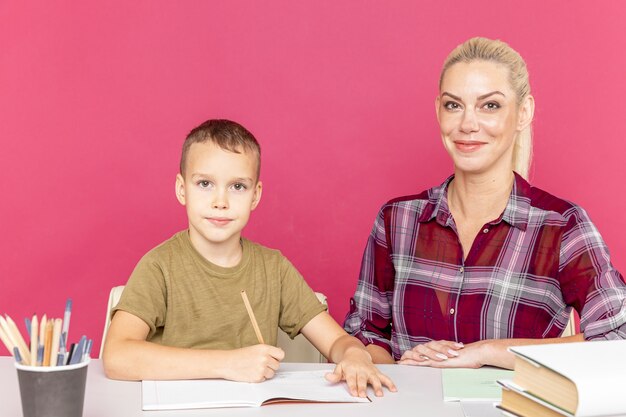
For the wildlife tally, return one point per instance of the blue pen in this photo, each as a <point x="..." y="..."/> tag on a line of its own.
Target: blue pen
<point x="66" y="320"/>
<point x="39" y="355"/>
<point x="87" y="350"/>
<point x="61" y="354"/>
<point x="16" y="353"/>
<point x="27" y="321"/>
<point x="79" y="351"/>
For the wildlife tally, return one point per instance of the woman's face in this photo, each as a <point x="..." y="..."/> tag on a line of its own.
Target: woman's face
<point x="479" y="117"/>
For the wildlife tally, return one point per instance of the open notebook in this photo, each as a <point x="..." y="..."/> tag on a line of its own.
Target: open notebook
<point x="307" y="386"/>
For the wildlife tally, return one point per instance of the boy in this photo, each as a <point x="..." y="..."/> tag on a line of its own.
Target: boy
<point x="181" y="314"/>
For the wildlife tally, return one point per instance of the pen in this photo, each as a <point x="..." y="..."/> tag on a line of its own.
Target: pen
<point x="79" y="350"/>
<point x="16" y="354"/>
<point x="87" y="353"/>
<point x="61" y="355"/>
<point x="66" y="319"/>
<point x="27" y="323"/>
<point x="70" y="354"/>
<point x="255" y="325"/>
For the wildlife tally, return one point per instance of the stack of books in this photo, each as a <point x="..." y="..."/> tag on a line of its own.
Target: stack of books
<point x="583" y="379"/>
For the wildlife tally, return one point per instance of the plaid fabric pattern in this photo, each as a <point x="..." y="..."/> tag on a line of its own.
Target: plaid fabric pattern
<point x="524" y="273"/>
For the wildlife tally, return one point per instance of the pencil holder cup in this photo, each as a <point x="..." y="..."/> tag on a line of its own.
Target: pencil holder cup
<point x="52" y="391"/>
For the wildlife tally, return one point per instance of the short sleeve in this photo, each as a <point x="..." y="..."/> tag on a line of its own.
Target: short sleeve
<point x="145" y="294"/>
<point x="298" y="302"/>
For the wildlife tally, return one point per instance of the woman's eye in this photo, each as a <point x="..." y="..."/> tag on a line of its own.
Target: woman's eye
<point x="492" y="105"/>
<point x="451" y="105"/>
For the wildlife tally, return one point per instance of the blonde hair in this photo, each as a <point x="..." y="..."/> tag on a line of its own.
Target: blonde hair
<point x="483" y="49"/>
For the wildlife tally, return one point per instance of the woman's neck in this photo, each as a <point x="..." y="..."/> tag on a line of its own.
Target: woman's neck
<point x="479" y="197"/>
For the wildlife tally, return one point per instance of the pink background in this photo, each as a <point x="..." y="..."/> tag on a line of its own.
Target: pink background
<point x="97" y="97"/>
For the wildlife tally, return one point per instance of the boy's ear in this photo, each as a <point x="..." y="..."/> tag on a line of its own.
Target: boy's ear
<point x="258" y="190"/>
<point x="180" y="189"/>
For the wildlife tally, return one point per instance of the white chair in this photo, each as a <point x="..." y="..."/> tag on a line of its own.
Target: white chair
<point x="570" y="329"/>
<point x="297" y="350"/>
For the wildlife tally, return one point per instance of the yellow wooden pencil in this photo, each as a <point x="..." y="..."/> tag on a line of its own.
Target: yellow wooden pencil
<point x="255" y="325"/>
<point x="47" y="344"/>
<point x="34" y="339"/>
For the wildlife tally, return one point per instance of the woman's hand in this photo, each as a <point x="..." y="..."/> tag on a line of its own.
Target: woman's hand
<point x="447" y="354"/>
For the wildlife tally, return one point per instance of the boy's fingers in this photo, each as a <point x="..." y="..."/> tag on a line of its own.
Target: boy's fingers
<point x="376" y="385"/>
<point x="352" y="386"/>
<point x="332" y="377"/>
<point x="277" y="353"/>
<point x="336" y="375"/>
<point x="386" y="381"/>
<point x="361" y="382"/>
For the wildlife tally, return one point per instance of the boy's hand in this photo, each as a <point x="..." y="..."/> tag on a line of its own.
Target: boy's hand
<point x="357" y="370"/>
<point x="253" y="363"/>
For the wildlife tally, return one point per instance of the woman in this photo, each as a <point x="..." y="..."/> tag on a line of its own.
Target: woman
<point x="453" y="276"/>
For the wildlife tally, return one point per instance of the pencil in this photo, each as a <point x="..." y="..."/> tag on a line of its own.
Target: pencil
<point x="42" y="337"/>
<point x="252" y="318"/>
<point x="56" y="336"/>
<point x="18" y="340"/>
<point x="34" y="339"/>
<point x="6" y="340"/>
<point x="47" y="344"/>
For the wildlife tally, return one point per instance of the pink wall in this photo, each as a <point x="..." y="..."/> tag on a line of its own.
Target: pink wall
<point x="96" y="98"/>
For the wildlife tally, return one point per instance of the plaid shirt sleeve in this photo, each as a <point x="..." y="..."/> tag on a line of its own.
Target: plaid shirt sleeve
<point x="370" y="316"/>
<point x="588" y="280"/>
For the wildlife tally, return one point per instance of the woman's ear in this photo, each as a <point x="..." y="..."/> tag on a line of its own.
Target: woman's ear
<point x="526" y="113"/>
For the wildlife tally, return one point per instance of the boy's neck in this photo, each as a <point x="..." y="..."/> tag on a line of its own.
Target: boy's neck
<point x="225" y="254"/>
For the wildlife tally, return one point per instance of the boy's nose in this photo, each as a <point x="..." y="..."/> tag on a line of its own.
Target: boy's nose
<point x="220" y="201"/>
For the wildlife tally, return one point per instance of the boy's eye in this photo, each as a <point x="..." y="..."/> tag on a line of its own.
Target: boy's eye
<point x="204" y="184"/>
<point x="239" y="187"/>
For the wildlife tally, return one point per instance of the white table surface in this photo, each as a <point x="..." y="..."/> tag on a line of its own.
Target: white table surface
<point x="419" y="394"/>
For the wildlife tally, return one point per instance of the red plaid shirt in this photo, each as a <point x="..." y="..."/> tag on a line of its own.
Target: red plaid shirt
<point x="524" y="273"/>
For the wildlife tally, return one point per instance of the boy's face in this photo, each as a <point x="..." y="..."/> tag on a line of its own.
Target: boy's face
<point x="219" y="191"/>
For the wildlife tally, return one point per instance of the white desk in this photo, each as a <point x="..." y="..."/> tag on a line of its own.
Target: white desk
<point x="419" y="394"/>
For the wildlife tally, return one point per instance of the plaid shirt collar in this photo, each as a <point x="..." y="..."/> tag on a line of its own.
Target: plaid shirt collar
<point x="516" y="212"/>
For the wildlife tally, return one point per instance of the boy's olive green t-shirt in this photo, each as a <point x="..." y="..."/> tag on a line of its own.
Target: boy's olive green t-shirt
<point x="189" y="302"/>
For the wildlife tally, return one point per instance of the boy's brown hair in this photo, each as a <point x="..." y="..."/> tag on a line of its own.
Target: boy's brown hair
<point x="228" y="135"/>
